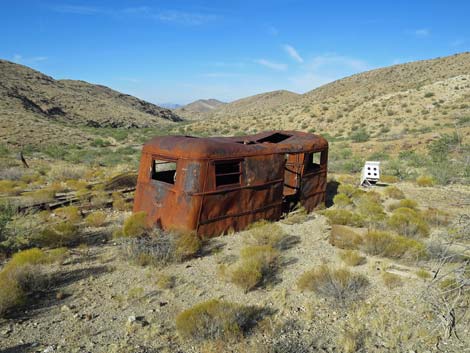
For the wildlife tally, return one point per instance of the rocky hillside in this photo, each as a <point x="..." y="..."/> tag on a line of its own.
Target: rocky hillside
<point x="387" y="103"/>
<point x="33" y="103"/>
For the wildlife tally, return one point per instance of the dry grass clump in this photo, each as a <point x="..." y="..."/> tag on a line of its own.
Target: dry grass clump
<point x="342" y="200"/>
<point x="96" y="219"/>
<point x="135" y="225"/>
<point x="257" y="264"/>
<point x="403" y="203"/>
<point x="393" y="246"/>
<point x="344" y="237"/>
<point x="344" y="217"/>
<point x="69" y="213"/>
<point x="389" y="179"/>
<point x="333" y="283"/>
<point x="58" y="235"/>
<point x="166" y="281"/>
<point x="370" y="208"/>
<point x="425" y="181"/>
<point x="67" y="172"/>
<point x="40" y="196"/>
<point x="352" y="258"/>
<point x="271" y="234"/>
<point x="119" y="203"/>
<point x="423" y="274"/>
<point x="391" y="280"/>
<point x="436" y="217"/>
<point x="408" y="222"/>
<point x="22" y="276"/>
<point x="215" y="319"/>
<point x="161" y="249"/>
<point x="394" y="193"/>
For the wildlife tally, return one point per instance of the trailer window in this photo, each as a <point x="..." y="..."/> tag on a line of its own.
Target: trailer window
<point x="227" y="173"/>
<point x="313" y="161"/>
<point x="164" y="170"/>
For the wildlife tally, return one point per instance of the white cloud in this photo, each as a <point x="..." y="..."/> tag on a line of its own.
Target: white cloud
<point x="185" y="18"/>
<point x="421" y="32"/>
<point x="272" y="65"/>
<point x="293" y="53"/>
<point x="79" y="10"/>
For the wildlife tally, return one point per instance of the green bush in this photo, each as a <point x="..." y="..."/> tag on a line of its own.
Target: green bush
<point x="408" y="222"/>
<point x="392" y="246"/>
<point x="425" y="181"/>
<point x="360" y="135"/>
<point x="394" y="193"/>
<point x="135" y="225"/>
<point x="265" y="233"/>
<point x="58" y="235"/>
<point x="352" y="257"/>
<point x="344" y="217"/>
<point x="215" y="319"/>
<point x="342" y="200"/>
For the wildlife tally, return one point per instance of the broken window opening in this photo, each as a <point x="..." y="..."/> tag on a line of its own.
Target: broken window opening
<point x="164" y="171"/>
<point x="227" y="173"/>
<point x="314" y="161"/>
<point x="274" y="138"/>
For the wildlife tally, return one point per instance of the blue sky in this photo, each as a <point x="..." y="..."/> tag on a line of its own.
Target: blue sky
<point x="179" y="51"/>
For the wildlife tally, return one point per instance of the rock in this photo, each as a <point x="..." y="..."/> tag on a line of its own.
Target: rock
<point x="137" y="320"/>
<point x="49" y="349"/>
<point x="65" y="308"/>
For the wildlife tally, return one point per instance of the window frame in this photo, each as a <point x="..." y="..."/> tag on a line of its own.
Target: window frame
<point x="314" y="167"/>
<point x="239" y="173"/>
<point x="163" y="160"/>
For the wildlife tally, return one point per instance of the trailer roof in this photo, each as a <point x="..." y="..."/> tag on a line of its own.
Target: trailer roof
<point x="268" y="142"/>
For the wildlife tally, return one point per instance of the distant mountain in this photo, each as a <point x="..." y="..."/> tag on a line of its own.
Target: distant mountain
<point x="197" y="109"/>
<point x="170" y="105"/>
<point x="30" y="102"/>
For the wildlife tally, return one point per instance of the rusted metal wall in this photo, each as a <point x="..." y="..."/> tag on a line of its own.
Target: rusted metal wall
<point x="269" y="173"/>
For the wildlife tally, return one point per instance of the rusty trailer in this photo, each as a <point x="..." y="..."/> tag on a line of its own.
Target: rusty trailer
<point x="218" y="184"/>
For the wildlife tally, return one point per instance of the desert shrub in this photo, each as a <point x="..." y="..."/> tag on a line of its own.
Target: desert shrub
<point x="96" y="219"/>
<point x="135" y="225"/>
<point x="7" y="186"/>
<point x="69" y="213"/>
<point x="256" y="265"/>
<point x="423" y="274"/>
<point x="187" y="245"/>
<point x="342" y="200"/>
<point x="425" y="181"/>
<point x="436" y="217"/>
<point x="339" y="284"/>
<point x="352" y="257"/>
<point x="408" y="222"/>
<point x="40" y="196"/>
<point x="22" y="276"/>
<point x="58" y="235"/>
<point x="66" y="172"/>
<point x="389" y="179"/>
<point x="370" y="209"/>
<point x="344" y="237"/>
<point x="7" y="211"/>
<point x="349" y="190"/>
<point x="215" y="319"/>
<point x="412" y="204"/>
<point x="392" y="246"/>
<point x="391" y="280"/>
<point x="344" y="217"/>
<point x="394" y="193"/>
<point x="161" y="249"/>
<point x="266" y="233"/>
<point x="119" y="203"/>
<point x="360" y="135"/>
<point x="166" y="281"/>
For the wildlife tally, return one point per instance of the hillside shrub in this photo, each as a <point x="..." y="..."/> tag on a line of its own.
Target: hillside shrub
<point x="119" y="203"/>
<point x="58" y="235"/>
<point x="69" y="213"/>
<point x="403" y="203"/>
<point x="425" y="181"/>
<point x="266" y="233"/>
<point x="344" y="217"/>
<point x="215" y="319"/>
<point x="360" y="135"/>
<point x="257" y="264"/>
<point x="391" y="280"/>
<point x="352" y="257"/>
<point x="135" y="225"/>
<point x="436" y="217"/>
<point x="333" y="283"/>
<point x="408" y="222"/>
<point x="392" y="246"/>
<point x="370" y="209"/>
<point x="187" y="245"/>
<point x="341" y="200"/>
<point x="394" y="193"/>
<point x="96" y="219"/>
<point x="344" y="237"/>
<point x="349" y="190"/>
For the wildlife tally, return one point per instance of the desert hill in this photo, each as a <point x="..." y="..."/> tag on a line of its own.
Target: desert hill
<point x="197" y="109"/>
<point x="35" y="105"/>
<point x="387" y="103"/>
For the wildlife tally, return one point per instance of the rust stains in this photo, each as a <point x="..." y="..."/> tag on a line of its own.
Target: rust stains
<point x="217" y="184"/>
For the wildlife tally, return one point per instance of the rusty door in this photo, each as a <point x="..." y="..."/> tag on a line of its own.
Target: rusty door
<point x="293" y="173"/>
